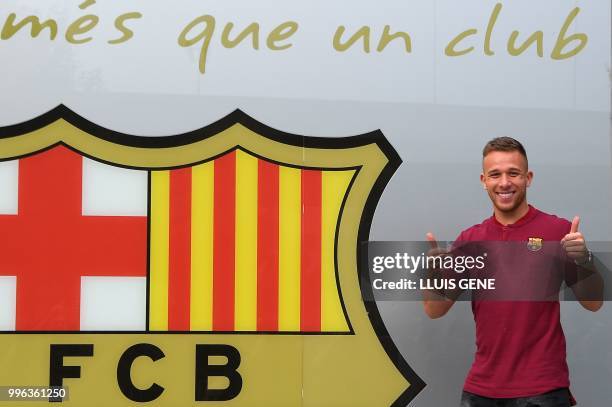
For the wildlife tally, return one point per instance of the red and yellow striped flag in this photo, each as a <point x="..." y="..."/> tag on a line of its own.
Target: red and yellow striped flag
<point x="243" y="244"/>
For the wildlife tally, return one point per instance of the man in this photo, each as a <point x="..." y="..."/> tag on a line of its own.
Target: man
<point x="520" y="356"/>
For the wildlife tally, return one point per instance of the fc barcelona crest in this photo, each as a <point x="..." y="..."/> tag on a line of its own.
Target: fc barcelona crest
<point x="534" y="244"/>
<point x="217" y="266"/>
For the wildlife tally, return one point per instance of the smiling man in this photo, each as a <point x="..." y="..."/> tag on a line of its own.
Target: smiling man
<point x="520" y="359"/>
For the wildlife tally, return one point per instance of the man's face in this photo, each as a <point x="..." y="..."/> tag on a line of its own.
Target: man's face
<point x="506" y="177"/>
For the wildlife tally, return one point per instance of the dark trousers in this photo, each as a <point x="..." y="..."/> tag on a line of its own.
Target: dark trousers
<point x="556" y="398"/>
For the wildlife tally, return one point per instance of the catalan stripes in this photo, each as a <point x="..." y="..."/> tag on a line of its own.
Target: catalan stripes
<point x="267" y="254"/>
<point x="243" y="244"/>
<point x="202" y="216"/>
<point x="334" y="184"/>
<point x="246" y="242"/>
<point x="224" y="243"/>
<point x="179" y="261"/>
<point x="159" y="236"/>
<point x="310" y="281"/>
<point x="289" y="248"/>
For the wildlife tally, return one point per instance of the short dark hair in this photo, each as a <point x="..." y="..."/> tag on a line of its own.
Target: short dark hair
<point x="504" y="144"/>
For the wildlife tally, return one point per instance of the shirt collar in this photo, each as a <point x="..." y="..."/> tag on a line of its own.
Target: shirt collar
<point x="531" y="213"/>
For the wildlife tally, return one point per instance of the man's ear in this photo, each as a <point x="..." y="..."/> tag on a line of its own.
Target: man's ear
<point x="482" y="181"/>
<point x="529" y="178"/>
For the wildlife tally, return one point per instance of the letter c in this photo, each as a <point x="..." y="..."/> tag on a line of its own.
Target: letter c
<point x="124" y="368"/>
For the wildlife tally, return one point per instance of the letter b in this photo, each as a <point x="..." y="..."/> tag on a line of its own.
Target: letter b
<point x="563" y="41"/>
<point x="204" y="370"/>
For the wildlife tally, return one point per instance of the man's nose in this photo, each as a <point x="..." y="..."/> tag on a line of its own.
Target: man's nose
<point x="505" y="181"/>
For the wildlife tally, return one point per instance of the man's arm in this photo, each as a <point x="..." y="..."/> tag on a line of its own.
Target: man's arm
<point x="588" y="287"/>
<point x="587" y="283"/>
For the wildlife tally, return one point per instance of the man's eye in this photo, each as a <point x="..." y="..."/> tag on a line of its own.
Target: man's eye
<point x="495" y="175"/>
<point x="515" y="174"/>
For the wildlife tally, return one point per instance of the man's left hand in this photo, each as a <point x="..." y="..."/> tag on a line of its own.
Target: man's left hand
<point x="574" y="243"/>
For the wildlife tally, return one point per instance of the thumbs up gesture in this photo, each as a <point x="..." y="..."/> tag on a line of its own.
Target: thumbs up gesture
<point x="434" y="248"/>
<point x="574" y="243"/>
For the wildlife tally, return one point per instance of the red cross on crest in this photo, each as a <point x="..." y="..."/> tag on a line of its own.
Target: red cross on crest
<point x="49" y="245"/>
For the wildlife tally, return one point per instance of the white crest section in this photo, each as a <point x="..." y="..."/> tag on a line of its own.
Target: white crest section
<point x="8" y="287"/>
<point x="113" y="303"/>
<point x="9" y="189"/>
<point x="113" y="191"/>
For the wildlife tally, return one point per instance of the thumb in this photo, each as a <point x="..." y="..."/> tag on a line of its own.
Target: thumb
<point x="432" y="240"/>
<point x="575" y="224"/>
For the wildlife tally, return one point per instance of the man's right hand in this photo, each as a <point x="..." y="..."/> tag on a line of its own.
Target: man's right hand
<point x="434" y="248"/>
<point x="434" y="304"/>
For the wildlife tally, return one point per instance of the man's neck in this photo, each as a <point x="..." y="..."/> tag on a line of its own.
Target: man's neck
<point x="508" y="218"/>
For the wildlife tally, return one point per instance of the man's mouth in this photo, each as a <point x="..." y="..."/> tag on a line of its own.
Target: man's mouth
<point x="505" y="196"/>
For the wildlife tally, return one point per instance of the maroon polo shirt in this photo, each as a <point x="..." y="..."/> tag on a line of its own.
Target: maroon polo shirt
<point x="520" y="345"/>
